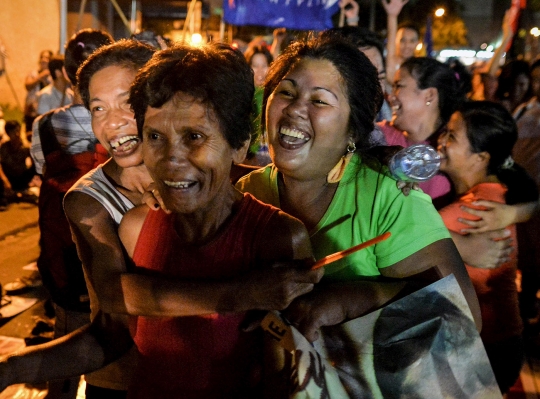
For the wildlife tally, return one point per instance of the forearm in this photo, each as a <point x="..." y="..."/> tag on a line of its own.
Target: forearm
<point x="391" y="62"/>
<point x="372" y="295"/>
<point x="523" y="212"/>
<point x="494" y="62"/>
<point x="158" y="296"/>
<point x="71" y="355"/>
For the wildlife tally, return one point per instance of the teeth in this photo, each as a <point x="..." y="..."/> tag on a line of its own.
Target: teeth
<point x="122" y="140"/>
<point x="395" y="108"/>
<point x="177" y="184"/>
<point x="293" y="133"/>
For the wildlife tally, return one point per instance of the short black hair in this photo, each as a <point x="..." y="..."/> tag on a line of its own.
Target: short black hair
<point x="360" y="78"/>
<point x="126" y="53"/>
<point x="490" y="128"/>
<point x="216" y="74"/>
<point x="361" y="37"/>
<point x="56" y="63"/>
<point x="258" y="49"/>
<point x="80" y="46"/>
<point x="11" y="126"/>
<point x="410" y="25"/>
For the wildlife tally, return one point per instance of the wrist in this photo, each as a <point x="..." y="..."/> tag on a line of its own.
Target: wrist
<point x="352" y="20"/>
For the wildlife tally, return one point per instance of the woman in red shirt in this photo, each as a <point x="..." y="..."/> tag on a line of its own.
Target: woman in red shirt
<point x="475" y="152"/>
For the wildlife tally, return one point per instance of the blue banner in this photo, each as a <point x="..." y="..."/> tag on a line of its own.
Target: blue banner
<point x="290" y="14"/>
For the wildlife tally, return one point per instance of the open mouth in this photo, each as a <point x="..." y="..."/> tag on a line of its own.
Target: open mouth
<point x="180" y="184"/>
<point x="124" y="144"/>
<point x="292" y="138"/>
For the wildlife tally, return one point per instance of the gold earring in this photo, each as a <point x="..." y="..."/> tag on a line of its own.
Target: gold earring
<point x="337" y="172"/>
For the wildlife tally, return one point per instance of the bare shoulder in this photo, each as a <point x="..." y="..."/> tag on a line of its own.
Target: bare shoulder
<point x="131" y="226"/>
<point x="80" y="206"/>
<point x="286" y="238"/>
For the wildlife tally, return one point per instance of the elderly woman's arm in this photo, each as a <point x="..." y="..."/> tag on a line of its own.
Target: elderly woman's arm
<point x="264" y="289"/>
<point x="337" y="302"/>
<point x="103" y="257"/>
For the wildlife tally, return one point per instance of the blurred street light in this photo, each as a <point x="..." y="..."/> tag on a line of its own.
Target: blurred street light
<point x="439" y="12"/>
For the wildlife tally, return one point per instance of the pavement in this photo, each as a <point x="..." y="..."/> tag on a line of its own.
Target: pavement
<point x="19" y="250"/>
<point x="18" y="217"/>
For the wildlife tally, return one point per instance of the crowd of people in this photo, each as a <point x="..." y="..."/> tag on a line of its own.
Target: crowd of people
<point x="187" y="191"/>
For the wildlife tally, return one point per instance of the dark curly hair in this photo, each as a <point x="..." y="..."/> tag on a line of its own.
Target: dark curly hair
<point x="81" y="45"/>
<point x="358" y="73"/>
<point x="215" y="74"/>
<point x="125" y="53"/>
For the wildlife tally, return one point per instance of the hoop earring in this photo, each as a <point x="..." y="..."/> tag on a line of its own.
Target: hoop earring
<point x="337" y="172"/>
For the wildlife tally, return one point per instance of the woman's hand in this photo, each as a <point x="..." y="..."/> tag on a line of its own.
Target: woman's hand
<point x="393" y="7"/>
<point x="406" y="187"/>
<point x="331" y="304"/>
<point x="275" y="288"/>
<point x="152" y="198"/>
<point x="485" y="250"/>
<point x="351" y="9"/>
<point x="326" y="307"/>
<point x="496" y="216"/>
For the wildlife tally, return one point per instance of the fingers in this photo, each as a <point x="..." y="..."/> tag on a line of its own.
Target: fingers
<point x="406" y="187"/>
<point x="152" y="198"/>
<point x="502" y="234"/>
<point x="149" y="199"/>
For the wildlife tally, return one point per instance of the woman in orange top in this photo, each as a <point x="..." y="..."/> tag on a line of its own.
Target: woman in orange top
<point x="475" y="154"/>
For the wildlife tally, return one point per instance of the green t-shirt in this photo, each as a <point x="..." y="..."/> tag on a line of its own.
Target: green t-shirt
<point x="366" y="204"/>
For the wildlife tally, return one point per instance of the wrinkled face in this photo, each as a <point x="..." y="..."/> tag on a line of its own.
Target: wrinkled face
<point x="259" y="64"/>
<point x="408" y="102"/>
<point x="187" y="154"/>
<point x="535" y="81"/>
<point x="376" y="59"/>
<point x="406" y="42"/>
<point x="455" y="148"/>
<point x="307" y="120"/>
<point x="113" y="120"/>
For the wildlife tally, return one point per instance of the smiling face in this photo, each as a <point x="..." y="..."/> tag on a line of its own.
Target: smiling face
<point x="307" y="120"/>
<point x="457" y="158"/>
<point x="406" y="40"/>
<point x="259" y="64"/>
<point x="408" y="102"/>
<point x="188" y="156"/>
<point x="113" y="121"/>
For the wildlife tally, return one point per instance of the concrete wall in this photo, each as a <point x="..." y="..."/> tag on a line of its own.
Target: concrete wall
<point x="27" y="27"/>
